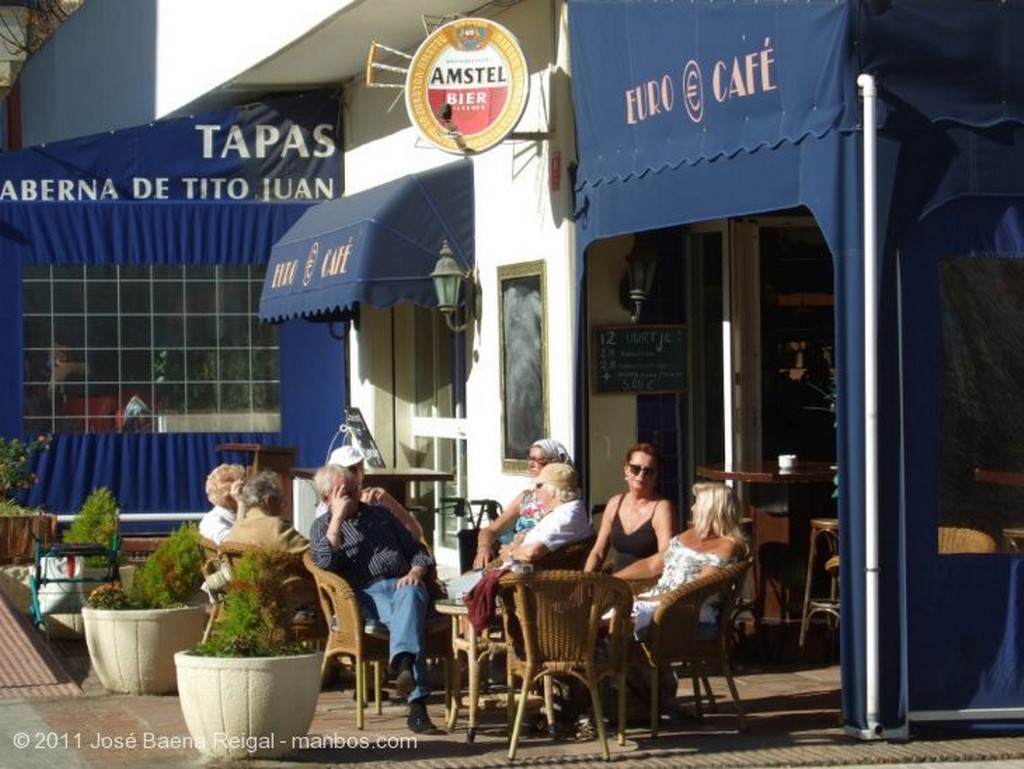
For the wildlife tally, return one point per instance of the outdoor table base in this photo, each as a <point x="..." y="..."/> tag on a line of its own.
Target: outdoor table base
<point x="477" y="649"/>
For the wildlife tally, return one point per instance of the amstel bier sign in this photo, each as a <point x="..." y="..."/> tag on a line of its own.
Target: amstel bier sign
<point x="467" y="85"/>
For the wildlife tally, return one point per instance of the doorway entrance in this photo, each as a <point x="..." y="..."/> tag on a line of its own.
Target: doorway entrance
<point x="760" y="303"/>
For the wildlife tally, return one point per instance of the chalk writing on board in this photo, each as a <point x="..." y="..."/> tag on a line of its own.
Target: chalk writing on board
<point x="639" y="359"/>
<point x="363" y="438"/>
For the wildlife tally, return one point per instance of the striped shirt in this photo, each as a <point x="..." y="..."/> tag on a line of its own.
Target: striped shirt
<point x="374" y="546"/>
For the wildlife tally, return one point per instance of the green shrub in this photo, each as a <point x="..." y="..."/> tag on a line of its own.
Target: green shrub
<point x="252" y="621"/>
<point x="172" y="574"/>
<point x="109" y="595"/>
<point x="15" y="473"/>
<point x="167" y="579"/>
<point x="95" y="524"/>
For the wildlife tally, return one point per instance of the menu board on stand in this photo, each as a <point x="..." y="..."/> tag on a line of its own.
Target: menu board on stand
<point x="356" y="427"/>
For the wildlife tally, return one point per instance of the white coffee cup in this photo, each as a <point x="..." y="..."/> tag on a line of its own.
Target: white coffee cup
<point x="787" y="461"/>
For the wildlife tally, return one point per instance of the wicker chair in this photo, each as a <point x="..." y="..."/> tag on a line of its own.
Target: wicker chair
<point x="297" y="593"/>
<point x="572" y="556"/>
<point x="554" y="619"/>
<point x="953" y="539"/>
<point x="209" y="548"/>
<point x="491" y="644"/>
<point x="347" y="638"/>
<point x="673" y="639"/>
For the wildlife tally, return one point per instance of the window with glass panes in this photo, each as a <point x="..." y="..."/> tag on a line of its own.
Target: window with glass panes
<point x="145" y="348"/>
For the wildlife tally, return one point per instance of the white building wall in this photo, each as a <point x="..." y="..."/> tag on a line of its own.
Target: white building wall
<point x="232" y="35"/>
<point x="517" y="220"/>
<point x="112" y="66"/>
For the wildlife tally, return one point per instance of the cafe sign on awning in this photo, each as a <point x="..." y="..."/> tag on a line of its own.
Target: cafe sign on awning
<point x="467" y="85"/>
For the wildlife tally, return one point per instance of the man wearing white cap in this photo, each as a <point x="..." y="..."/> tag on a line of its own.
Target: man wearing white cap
<point x="352" y="457"/>
<point x="386" y="566"/>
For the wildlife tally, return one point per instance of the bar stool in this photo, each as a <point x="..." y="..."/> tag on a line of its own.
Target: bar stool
<point x="824" y="534"/>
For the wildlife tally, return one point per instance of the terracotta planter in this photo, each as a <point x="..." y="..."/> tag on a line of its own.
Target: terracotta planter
<point x="247" y="707"/>
<point x="132" y="650"/>
<point x="16" y="535"/>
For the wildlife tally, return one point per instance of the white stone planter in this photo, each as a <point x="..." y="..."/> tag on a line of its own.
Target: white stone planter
<point x="132" y="650"/>
<point x="247" y="707"/>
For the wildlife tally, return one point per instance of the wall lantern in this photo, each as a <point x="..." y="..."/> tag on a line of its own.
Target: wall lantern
<point x="642" y="261"/>
<point x="450" y="283"/>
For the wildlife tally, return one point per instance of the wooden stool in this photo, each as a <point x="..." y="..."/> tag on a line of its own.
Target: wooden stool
<point x="827" y="528"/>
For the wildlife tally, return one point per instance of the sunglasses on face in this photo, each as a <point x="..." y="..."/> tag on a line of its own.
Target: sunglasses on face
<point x="641" y="471"/>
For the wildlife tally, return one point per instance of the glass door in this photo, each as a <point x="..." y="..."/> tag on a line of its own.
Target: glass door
<point x="438" y="426"/>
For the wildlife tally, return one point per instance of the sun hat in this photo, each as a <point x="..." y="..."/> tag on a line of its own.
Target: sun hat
<point x="558" y="475"/>
<point x="345" y="456"/>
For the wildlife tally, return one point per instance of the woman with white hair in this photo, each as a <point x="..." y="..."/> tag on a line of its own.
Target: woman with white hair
<point x="563" y="516"/>
<point x="523" y="512"/>
<point x="222" y="487"/>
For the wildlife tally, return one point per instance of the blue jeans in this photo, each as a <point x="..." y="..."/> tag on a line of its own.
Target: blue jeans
<point x="403" y="610"/>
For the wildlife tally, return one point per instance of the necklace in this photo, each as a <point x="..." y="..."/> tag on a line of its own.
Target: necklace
<point x="634" y="515"/>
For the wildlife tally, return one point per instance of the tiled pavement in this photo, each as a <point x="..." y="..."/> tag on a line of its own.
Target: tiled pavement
<point x="50" y="701"/>
<point x="793" y="718"/>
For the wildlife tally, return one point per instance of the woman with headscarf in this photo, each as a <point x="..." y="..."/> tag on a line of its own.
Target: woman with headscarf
<point x="522" y="513"/>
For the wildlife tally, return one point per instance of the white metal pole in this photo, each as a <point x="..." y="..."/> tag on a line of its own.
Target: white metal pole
<point x="871" y="620"/>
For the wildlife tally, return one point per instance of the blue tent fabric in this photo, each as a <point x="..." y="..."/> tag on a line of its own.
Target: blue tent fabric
<point x="146" y="472"/>
<point x="167" y="193"/>
<point x="989" y="229"/>
<point x="651" y="88"/>
<point x="377" y="246"/>
<point x="662" y="144"/>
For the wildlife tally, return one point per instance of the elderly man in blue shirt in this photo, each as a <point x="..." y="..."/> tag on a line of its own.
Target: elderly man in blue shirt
<point x="370" y="548"/>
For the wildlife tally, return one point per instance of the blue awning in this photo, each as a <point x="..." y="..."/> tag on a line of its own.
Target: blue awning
<point x="377" y="246"/>
<point x="692" y="110"/>
<point x="214" y="188"/>
<point x="687" y="111"/>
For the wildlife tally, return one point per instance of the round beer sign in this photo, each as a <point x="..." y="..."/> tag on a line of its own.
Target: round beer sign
<point x="467" y="85"/>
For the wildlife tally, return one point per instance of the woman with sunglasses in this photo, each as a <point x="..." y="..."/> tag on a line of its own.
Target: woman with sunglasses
<point x="639" y="522"/>
<point x="524" y="510"/>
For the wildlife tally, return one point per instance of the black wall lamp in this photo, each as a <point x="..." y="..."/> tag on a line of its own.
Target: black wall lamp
<point x="642" y="261"/>
<point x="451" y="283"/>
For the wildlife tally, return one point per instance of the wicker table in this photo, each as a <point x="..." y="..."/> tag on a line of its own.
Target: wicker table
<point x="477" y="649"/>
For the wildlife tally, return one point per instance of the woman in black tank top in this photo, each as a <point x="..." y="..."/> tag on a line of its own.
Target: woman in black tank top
<point x="639" y="522"/>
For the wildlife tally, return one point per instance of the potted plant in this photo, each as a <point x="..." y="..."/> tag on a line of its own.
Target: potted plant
<point x="132" y="635"/>
<point x="249" y="689"/>
<point x="21" y="526"/>
<point x="95" y="524"/>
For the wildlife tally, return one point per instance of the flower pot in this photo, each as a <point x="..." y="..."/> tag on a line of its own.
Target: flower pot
<point x="132" y="650"/>
<point x="247" y="707"/>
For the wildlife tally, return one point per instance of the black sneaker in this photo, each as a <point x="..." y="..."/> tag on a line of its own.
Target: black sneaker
<point x="401" y="668"/>
<point x="419" y="720"/>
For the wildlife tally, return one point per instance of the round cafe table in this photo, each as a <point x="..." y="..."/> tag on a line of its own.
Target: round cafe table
<point x="782" y="503"/>
<point x="476" y="648"/>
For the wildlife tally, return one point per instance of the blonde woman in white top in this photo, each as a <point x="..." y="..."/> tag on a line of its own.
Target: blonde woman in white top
<point x="714" y="539"/>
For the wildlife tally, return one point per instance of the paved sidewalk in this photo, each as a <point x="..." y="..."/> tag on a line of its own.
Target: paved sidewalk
<point x="792" y="713"/>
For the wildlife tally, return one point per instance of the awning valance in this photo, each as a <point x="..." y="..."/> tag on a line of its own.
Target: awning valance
<point x="696" y="110"/>
<point x="377" y="246"/>
<point x="214" y="188"/>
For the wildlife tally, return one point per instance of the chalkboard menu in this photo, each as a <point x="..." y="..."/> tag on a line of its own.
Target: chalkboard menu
<point x="647" y="359"/>
<point x="355" y="425"/>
